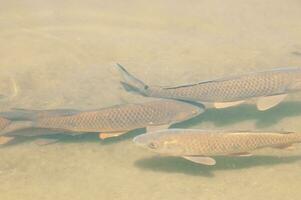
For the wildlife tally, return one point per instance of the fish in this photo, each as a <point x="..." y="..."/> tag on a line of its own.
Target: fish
<point x="200" y="146"/>
<point x="268" y="88"/>
<point x="116" y="120"/>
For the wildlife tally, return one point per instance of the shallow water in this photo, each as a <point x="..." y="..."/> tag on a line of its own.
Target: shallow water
<point x="62" y="55"/>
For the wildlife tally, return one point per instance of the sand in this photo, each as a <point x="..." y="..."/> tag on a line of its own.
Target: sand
<point x="62" y="55"/>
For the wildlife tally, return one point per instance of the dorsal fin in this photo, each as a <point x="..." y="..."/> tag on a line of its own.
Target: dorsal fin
<point x="232" y="77"/>
<point x="207" y="81"/>
<point x="185" y="85"/>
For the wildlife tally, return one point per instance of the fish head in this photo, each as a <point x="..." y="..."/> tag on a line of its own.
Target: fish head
<point x="186" y="111"/>
<point x="160" y="142"/>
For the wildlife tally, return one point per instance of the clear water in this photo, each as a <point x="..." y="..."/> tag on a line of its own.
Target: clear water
<point x="62" y="55"/>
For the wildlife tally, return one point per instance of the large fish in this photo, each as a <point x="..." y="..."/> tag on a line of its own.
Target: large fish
<point x="112" y="121"/>
<point x="198" y="145"/>
<point x="268" y="88"/>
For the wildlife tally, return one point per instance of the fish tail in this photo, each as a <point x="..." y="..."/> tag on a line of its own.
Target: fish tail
<point x="16" y="126"/>
<point x="19" y="114"/>
<point x="28" y="114"/>
<point x="131" y="83"/>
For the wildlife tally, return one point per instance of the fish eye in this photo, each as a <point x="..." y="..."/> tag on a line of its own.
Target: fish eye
<point x="146" y="87"/>
<point x="152" y="145"/>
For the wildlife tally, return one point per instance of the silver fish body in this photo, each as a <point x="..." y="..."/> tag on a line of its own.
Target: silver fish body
<point x="229" y="89"/>
<point x="123" y="117"/>
<point x="236" y="88"/>
<point x="185" y="142"/>
<point x="113" y="120"/>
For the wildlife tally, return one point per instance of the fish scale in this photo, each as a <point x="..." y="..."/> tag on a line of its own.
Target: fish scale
<point x="123" y="117"/>
<point x="187" y="142"/>
<point x="234" y="143"/>
<point x="231" y="89"/>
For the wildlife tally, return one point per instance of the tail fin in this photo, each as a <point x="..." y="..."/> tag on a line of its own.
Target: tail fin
<point x="130" y="82"/>
<point x="28" y="114"/>
<point x="18" y="114"/>
<point x="16" y="126"/>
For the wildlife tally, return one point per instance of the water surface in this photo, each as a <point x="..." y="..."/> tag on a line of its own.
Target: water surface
<point x="62" y="55"/>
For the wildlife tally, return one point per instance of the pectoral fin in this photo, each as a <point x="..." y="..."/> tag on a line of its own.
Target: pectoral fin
<point x="219" y="105"/>
<point x="109" y="135"/>
<point x="201" y="160"/>
<point x="5" y="139"/>
<point x="265" y="103"/>
<point x="156" y="128"/>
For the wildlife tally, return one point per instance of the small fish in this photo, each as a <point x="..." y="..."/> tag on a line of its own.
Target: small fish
<point x="269" y="88"/>
<point x="116" y="120"/>
<point x="198" y="145"/>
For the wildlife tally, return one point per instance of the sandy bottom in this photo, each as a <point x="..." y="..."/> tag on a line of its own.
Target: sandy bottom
<point x="62" y="55"/>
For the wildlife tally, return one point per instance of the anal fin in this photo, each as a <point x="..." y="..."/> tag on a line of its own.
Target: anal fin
<point x="5" y="139"/>
<point x="265" y="103"/>
<point x="201" y="160"/>
<point x="109" y="135"/>
<point x="220" y="105"/>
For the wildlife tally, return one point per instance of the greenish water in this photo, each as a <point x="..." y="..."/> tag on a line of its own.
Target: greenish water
<point x="62" y="55"/>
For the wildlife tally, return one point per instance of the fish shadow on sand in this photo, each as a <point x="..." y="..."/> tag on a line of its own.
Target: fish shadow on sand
<point x="228" y="116"/>
<point x="182" y="166"/>
<point x="83" y="138"/>
<point x="296" y="53"/>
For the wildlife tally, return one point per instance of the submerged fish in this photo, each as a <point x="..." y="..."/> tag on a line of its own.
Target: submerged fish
<point x="269" y="88"/>
<point x="198" y="145"/>
<point x="114" y="121"/>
